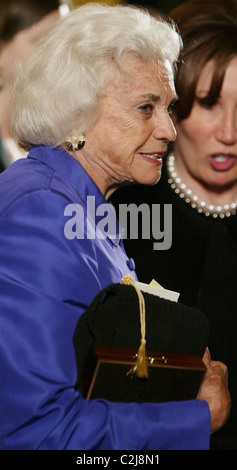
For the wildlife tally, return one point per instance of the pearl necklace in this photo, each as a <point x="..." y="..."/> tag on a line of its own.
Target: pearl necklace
<point x="180" y="188"/>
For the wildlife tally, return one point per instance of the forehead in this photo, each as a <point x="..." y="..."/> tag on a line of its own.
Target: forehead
<point x="208" y="73"/>
<point x="138" y="77"/>
<point x="205" y="79"/>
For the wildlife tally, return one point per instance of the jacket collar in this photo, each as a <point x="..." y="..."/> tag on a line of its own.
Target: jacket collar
<point x="71" y="170"/>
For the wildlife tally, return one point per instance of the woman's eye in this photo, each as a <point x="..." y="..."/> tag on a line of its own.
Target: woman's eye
<point x="171" y="108"/>
<point x="206" y="103"/>
<point x="146" y="108"/>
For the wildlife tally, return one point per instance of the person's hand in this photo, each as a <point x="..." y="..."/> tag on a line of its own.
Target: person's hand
<point x="214" y="390"/>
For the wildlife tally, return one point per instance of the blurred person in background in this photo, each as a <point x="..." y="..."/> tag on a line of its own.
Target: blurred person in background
<point x="22" y="22"/>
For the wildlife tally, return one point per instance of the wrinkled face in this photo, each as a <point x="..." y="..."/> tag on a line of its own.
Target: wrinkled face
<point x="131" y="135"/>
<point x="206" y="146"/>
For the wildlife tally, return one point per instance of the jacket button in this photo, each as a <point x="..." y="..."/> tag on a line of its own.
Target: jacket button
<point x="131" y="264"/>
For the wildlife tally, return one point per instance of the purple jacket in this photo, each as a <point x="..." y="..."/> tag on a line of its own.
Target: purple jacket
<point x="47" y="279"/>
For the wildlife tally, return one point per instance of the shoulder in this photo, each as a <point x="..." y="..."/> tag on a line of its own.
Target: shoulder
<point x="27" y="181"/>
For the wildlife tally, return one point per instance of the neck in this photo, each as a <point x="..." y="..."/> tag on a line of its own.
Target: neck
<point x="95" y="172"/>
<point x="100" y="172"/>
<point x="205" y="200"/>
<point x="14" y="152"/>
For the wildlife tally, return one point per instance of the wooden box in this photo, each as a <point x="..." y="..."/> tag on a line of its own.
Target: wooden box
<point x="171" y="377"/>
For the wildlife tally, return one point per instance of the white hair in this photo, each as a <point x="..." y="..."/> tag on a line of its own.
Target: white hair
<point x="59" y="84"/>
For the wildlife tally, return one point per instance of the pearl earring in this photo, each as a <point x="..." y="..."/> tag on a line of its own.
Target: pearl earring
<point x="75" y="141"/>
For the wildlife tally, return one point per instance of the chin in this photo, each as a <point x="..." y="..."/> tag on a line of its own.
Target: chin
<point x="150" y="181"/>
<point x="222" y="181"/>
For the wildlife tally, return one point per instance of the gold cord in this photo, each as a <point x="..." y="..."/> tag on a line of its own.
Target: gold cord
<point x="140" y="369"/>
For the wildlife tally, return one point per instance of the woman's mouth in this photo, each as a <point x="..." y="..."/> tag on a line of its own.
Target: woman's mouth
<point x="153" y="157"/>
<point x="222" y="162"/>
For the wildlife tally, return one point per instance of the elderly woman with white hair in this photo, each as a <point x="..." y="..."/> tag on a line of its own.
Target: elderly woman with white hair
<point x="92" y="107"/>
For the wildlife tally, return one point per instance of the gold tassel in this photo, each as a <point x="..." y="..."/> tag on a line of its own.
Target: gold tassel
<point x="140" y="369"/>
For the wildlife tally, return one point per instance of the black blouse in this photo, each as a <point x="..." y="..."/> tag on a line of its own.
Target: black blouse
<point x="201" y="264"/>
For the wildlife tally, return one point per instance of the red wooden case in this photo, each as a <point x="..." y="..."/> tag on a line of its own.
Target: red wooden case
<point x="171" y="377"/>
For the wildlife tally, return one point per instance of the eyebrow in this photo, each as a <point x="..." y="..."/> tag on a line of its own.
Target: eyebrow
<point x="152" y="97"/>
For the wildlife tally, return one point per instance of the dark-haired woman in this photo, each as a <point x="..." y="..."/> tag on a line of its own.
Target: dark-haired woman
<point x="199" y="179"/>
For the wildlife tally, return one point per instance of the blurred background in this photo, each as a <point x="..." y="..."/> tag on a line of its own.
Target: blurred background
<point x="163" y="6"/>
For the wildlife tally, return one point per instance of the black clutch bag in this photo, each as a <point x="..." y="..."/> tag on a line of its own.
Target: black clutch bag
<point x="106" y="342"/>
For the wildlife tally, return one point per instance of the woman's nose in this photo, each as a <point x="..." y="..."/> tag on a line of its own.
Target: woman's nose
<point x="227" y="130"/>
<point x="164" y="129"/>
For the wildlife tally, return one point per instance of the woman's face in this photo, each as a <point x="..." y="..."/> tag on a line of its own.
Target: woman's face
<point x="131" y="135"/>
<point x="206" y="145"/>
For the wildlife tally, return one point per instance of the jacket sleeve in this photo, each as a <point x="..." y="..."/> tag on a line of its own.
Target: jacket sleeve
<point x="40" y="408"/>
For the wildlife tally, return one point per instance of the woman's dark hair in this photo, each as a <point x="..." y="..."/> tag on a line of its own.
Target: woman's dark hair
<point x="18" y="15"/>
<point x="209" y="32"/>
